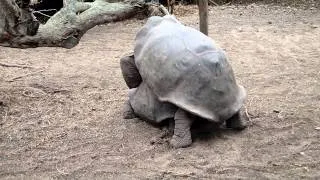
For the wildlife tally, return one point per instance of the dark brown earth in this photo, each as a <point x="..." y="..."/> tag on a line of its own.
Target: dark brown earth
<point x="60" y="117"/>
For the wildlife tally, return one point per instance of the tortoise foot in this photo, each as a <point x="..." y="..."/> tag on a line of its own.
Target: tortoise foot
<point x="128" y="112"/>
<point x="236" y="122"/>
<point x="181" y="142"/>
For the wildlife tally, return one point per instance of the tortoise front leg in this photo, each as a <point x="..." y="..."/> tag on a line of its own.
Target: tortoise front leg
<point x="130" y="72"/>
<point x="132" y="78"/>
<point x="182" y="134"/>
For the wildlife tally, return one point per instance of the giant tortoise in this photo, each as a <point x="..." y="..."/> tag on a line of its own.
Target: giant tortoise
<point x="177" y="72"/>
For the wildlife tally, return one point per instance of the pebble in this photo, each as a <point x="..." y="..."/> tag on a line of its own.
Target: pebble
<point x="302" y="153"/>
<point x="314" y="26"/>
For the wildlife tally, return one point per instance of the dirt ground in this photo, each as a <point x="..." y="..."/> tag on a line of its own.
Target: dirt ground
<point x="60" y="116"/>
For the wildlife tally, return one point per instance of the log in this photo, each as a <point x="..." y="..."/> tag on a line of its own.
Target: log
<point x="67" y="26"/>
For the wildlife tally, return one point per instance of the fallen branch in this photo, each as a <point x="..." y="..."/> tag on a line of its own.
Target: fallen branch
<point x="67" y="26"/>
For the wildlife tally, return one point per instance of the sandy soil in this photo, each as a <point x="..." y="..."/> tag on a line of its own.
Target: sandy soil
<point x="60" y="117"/>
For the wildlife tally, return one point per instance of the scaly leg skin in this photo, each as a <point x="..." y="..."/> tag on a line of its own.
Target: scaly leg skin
<point x="236" y="122"/>
<point x="130" y="72"/>
<point x="182" y="134"/>
<point x="128" y="112"/>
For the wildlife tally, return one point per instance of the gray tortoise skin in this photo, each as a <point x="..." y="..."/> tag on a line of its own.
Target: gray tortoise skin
<point x="177" y="72"/>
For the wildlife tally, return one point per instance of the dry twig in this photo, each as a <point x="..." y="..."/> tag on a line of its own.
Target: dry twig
<point x="164" y="10"/>
<point x="19" y="77"/>
<point x="247" y="114"/>
<point x="214" y="3"/>
<point x="14" y="65"/>
<point x="41" y="13"/>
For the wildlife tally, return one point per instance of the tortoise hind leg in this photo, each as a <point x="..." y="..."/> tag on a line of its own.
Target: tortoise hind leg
<point x="130" y="72"/>
<point x="236" y="122"/>
<point x="182" y="134"/>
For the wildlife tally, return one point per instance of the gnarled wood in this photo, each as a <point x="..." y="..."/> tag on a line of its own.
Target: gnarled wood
<point x="67" y="26"/>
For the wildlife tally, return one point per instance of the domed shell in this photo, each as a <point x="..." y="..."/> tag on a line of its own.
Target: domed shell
<point x="181" y="66"/>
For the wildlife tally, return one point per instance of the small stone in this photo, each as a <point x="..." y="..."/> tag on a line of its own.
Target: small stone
<point x="306" y="169"/>
<point x="313" y="26"/>
<point x="94" y="157"/>
<point x="152" y="141"/>
<point x="269" y="22"/>
<point x="317" y="128"/>
<point x="280" y="116"/>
